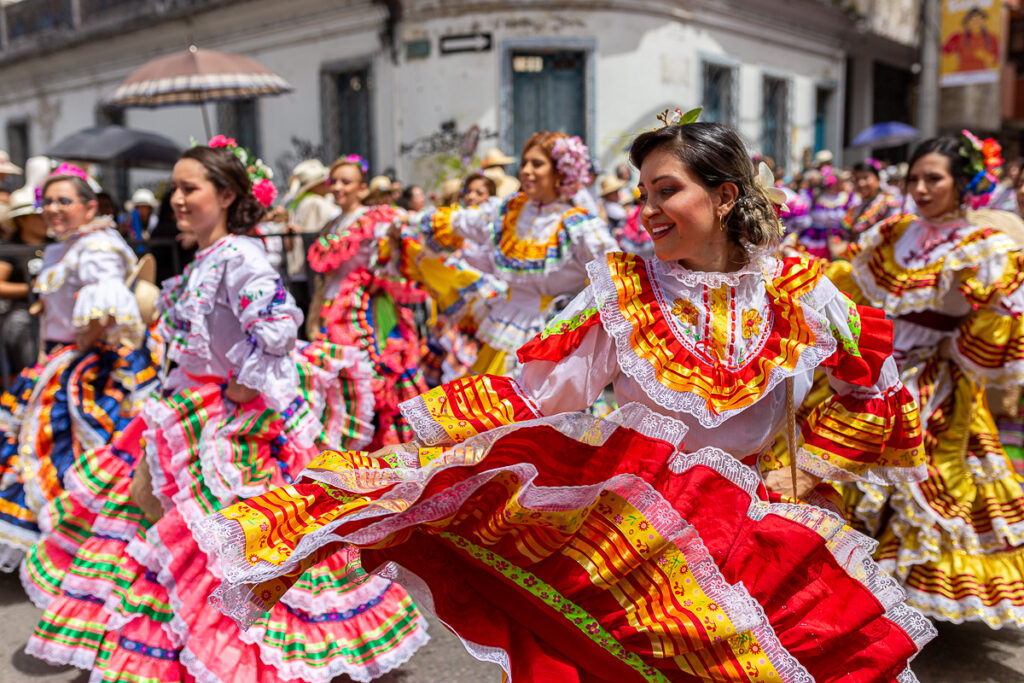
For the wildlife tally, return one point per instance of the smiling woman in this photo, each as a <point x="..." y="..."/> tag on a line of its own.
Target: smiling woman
<point x="511" y="266"/>
<point x="98" y="370"/>
<point x="243" y="406"/>
<point x="699" y="199"/>
<point x="570" y="548"/>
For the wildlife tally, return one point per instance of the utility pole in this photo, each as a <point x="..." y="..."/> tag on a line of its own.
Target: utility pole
<point x="928" y="88"/>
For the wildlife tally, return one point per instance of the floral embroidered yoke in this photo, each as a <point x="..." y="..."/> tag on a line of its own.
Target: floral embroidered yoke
<point x="712" y="350"/>
<point x="231" y="294"/>
<point x="538" y="252"/>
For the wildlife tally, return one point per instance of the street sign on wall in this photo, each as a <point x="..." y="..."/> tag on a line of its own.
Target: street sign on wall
<point x="466" y="42"/>
<point x="971" y="40"/>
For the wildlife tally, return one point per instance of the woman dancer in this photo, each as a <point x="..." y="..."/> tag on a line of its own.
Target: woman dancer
<point x="536" y="245"/>
<point x="362" y="295"/>
<point x="565" y="547"/>
<point x="955" y="540"/>
<point x="246" y="408"/>
<point x="875" y="204"/>
<point x="97" y="372"/>
<point x="828" y="209"/>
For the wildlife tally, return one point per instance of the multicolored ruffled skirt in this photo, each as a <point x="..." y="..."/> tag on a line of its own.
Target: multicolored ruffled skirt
<point x="54" y="412"/>
<point x="955" y="540"/>
<point x="129" y="598"/>
<point x="573" y="548"/>
<point x="364" y="315"/>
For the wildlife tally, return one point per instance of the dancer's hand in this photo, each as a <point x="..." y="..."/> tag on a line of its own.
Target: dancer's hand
<point x="239" y="393"/>
<point x="781" y="482"/>
<point x="141" y="491"/>
<point x="88" y="337"/>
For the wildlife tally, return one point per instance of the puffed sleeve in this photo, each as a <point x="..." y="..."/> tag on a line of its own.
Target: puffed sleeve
<point x="870" y="429"/>
<point x="102" y="268"/>
<point x="591" y="234"/>
<point x="565" y="368"/>
<point x="445" y="228"/>
<point x="270" y="319"/>
<point x="989" y="344"/>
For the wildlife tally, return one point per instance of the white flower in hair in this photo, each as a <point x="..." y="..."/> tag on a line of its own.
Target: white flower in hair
<point x="766" y="179"/>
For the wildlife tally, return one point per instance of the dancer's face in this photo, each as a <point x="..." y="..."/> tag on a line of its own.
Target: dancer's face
<point x="866" y="184"/>
<point x="932" y="186"/>
<point x="476" y="193"/>
<point x="199" y="207"/>
<point x="682" y="216"/>
<point x="63" y="210"/>
<point x="347" y="186"/>
<point x="538" y="176"/>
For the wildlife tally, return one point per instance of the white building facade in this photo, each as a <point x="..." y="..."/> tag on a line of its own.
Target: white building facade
<point x="410" y="83"/>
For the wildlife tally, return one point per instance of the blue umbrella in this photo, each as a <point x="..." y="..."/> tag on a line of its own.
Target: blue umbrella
<point x="887" y="134"/>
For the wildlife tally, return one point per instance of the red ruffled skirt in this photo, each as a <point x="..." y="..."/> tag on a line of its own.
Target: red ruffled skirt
<point x="577" y="549"/>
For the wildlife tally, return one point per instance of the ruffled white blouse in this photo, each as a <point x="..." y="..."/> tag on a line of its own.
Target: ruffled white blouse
<point x="83" y="279"/>
<point x="229" y="316"/>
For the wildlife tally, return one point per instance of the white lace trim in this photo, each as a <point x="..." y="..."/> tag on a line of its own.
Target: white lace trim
<point x="930" y="298"/>
<point x="56" y="654"/>
<point x="641" y="371"/>
<point x="159" y="555"/>
<point x="38" y="596"/>
<point x="427" y="430"/>
<point x="871" y="475"/>
<point x="968" y="608"/>
<point x="14" y="543"/>
<point x="1006" y="375"/>
<point x="849" y="548"/>
<point x="759" y="262"/>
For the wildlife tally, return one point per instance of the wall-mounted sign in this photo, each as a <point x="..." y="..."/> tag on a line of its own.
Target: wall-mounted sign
<point x="468" y="42"/>
<point x="971" y="35"/>
<point x="417" y="49"/>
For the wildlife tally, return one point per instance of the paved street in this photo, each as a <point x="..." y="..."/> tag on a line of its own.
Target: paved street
<point x="962" y="654"/>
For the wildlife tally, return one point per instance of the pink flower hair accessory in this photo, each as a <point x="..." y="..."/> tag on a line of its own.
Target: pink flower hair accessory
<point x="572" y="160"/>
<point x="260" y="175"/>
<point x="359" y="161"/>
<point x="69" y="169"/>
<point x="64" y="169"/>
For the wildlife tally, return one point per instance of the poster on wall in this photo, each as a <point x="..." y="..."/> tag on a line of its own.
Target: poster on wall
<point x="971" y="40"/>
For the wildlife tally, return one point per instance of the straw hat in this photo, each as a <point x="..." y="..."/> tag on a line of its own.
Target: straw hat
<point x="305" y="176"/>
<point x="823" y="158"/>
<point x="506" y="185"/>
<point x="378" y="187"/>
<point x="495" y="157"/>
<point x="140" y="281"/>
<point x="609" y="184"/>
<point x="142" y="197"/>
<point x="6" y="166"/>
<point x="1005" y="222"/>
<point x="22" y="203"/>
<point x="450" y="191"/>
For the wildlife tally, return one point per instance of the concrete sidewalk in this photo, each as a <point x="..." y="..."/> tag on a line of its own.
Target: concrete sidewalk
<point x="966" y="653"/>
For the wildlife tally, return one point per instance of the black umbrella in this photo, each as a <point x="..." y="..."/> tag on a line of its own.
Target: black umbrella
<point x="118" y="146"/>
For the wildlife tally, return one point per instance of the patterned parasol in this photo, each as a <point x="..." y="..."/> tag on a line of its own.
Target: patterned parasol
<point x="196" y="76"/>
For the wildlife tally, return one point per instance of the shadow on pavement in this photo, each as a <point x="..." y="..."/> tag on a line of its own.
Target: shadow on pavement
<point x="32" y="667"/>
<point x="10" y="589"/>
<point x="969" y="653"/>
